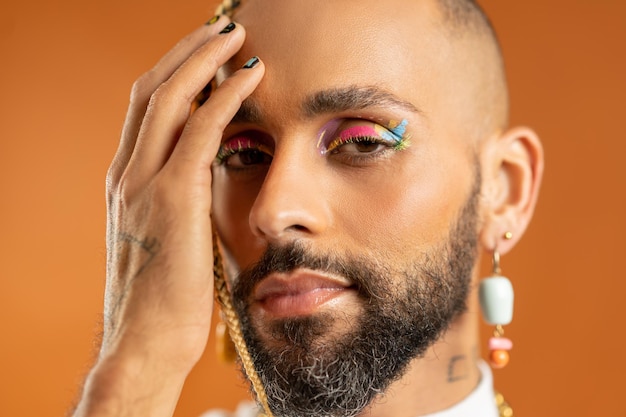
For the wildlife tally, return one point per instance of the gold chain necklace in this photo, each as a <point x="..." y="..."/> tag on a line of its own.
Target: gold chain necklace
<point x="504" y="408"/>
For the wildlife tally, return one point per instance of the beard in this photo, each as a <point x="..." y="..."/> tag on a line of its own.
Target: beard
<point x="307" y="369"/>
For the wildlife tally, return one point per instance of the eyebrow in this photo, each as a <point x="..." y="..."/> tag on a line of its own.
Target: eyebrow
<point x="353" y="98"/>
<point x="334" y="100"/>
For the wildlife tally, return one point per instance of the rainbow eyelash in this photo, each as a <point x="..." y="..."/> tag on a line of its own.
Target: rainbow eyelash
<point x="393" y="136"/>
<point x="396" y="131"/>
<point x="237" y="145"/>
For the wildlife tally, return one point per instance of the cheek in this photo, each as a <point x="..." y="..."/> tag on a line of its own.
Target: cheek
<point x="232" y="202"/>
<point x="406" y="209"/>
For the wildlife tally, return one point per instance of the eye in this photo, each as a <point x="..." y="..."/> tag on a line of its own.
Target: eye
<point x="359" y="144"/>
<point x="246" y="158"/>
<point x="244" y="152"/>
<point x="362" y="139"/>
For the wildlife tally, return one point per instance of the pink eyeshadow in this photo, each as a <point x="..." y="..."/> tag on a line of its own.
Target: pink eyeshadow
<point x="357" y="131"/>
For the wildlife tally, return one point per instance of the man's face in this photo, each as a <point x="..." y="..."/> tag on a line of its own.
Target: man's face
<point x="350" y="176"/>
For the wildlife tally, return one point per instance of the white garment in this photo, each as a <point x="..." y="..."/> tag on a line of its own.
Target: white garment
<point x="480" y="403"/>
<point x="245" y="409"/>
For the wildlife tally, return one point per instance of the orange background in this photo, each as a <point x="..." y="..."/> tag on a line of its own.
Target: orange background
<point x="65" y="74"/>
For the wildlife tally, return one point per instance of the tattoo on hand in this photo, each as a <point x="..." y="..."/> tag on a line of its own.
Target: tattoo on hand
<point x="117" y="295"/>
<point x="150" y="245"/>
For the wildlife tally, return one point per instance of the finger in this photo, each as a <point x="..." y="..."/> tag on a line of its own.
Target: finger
<point x="170" y="105"/>
<point x="200" y="140"/>
<point x="145" y="86"/>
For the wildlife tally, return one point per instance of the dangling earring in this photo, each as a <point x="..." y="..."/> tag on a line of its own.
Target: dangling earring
<point x="224" y="345"/>
<point x="496" y="302"/>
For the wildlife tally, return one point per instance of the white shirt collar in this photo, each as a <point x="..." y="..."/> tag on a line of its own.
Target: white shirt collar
<point x="480" y="403"/>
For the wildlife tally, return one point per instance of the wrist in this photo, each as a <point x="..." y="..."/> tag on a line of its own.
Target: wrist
<point x="131" y="384"/>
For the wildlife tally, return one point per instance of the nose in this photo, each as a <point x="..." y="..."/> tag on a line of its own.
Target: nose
<point x="291" y="203"/>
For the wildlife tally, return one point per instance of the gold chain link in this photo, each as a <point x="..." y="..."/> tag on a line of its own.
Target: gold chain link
<point x="504" y="408"/>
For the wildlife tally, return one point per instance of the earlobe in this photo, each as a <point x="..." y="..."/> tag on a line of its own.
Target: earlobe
<point x="513" y="170"/>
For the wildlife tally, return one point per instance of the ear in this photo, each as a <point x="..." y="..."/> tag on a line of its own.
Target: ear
<point x="512" y="171"/>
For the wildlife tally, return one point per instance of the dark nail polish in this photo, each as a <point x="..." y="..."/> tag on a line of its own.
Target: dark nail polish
<point x="229" y="28"/>
<point x="213" y="20"/>
<point x="252" y="62"/>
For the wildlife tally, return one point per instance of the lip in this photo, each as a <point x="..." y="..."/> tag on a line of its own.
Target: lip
<point x="299" y="293"/>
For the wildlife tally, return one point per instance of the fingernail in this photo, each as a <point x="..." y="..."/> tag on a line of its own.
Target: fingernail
<point x="229" y="28"/>
<point x="252" y="62"/>
<point x="213" y="20"/>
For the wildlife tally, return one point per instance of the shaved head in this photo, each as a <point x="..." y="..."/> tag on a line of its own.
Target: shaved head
<point x="476" y="42"/>
<point x="467" y="20"/>
<point x="465" y="14"/>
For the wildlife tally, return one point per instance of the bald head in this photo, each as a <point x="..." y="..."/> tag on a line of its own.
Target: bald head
<point x="467" y="20"/>
<point x="467" y="24"/>
<point x="464" y="14"/>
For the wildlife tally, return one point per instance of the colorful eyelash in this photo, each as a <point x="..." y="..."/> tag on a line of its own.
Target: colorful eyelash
<point x="236" y="145"/>
<point x="351" y="135"/>
<point x="395" y="134"/>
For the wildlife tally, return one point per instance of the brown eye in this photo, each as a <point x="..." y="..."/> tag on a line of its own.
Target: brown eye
<point x="360" y="145"/>
<point x="365" y="147"/>
<point x="245" y="150"/>
<point x="247" y="158"/>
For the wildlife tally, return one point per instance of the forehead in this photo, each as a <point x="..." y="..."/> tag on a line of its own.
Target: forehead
<point x="308" y="46"/>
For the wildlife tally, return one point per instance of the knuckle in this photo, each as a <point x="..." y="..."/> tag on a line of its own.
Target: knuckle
<point x="161" y="93"/>
<point x="229" y="85"/>
<point x="112" y="178"/>
<point x="124" y="189"/>
<point x="143" y="87"/>
<point x="212" y="62"/>
<point x="162" y="96"/>
<point x="235" y="92"/>
<point x="114" y="172"/>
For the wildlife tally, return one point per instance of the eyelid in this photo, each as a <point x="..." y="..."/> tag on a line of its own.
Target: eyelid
<point x="395" y="130"/>
<point x="338" y="143"/>
<point x="392" y="136"/>
<point x="241" y="142"/>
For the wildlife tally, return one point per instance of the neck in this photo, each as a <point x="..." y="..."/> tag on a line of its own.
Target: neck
<point x="444" y="376"/>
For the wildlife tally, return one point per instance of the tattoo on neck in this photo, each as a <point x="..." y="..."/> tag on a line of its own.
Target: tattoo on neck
<point x="458" y="368"/>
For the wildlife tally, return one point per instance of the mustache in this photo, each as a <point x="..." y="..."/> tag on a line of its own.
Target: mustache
<point x="295" y="255"/>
